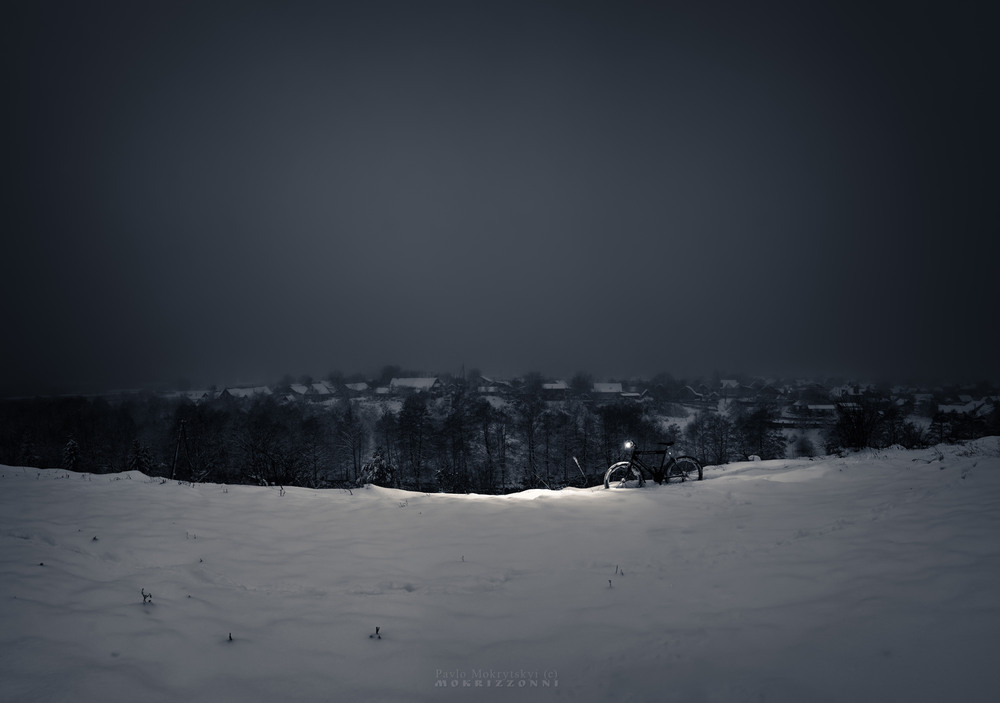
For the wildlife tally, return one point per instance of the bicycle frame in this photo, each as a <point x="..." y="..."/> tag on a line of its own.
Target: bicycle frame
<point x="655" y="469"/>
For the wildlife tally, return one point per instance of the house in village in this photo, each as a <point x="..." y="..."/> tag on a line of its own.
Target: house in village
<point x="235" y="393"/>
<point x="198" y="396"/>
<point x="973" y="408"/>
<point x="806" y="414"/>
<point x="406" y="386"/>
<point x="321" y="391"/>
<point x="356" y="389"/>
<point x="768" y="394"/>
<point x="313" y="392"/>
<point x="555" y="390"/>
<point x="636" y="395"/>
<point x="493" y="387"/>
<point x="606" y="392"/>
<point x="729" y="388"/>
<point x="702" y="395"/>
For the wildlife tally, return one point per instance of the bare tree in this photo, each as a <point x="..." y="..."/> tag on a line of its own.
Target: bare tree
<point x="353" y="435"/>
<point x="710" y="437"/>
<point x="414" y="432"/>
<point x="756" y="432"/>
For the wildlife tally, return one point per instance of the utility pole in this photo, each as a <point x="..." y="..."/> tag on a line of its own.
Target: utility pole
<point x="177" y="448"/>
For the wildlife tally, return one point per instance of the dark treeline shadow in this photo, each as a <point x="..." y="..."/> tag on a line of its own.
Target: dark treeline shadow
<point x="454" y="441"/>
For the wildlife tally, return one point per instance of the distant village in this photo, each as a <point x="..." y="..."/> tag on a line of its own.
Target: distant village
<point x="802" y="403"/>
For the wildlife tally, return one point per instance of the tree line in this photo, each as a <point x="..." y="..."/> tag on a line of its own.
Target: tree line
<point x="458" y="443"/>
<point x="462" y="442"/>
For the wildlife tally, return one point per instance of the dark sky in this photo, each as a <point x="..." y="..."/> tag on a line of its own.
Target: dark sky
<point x="229" y="192"/>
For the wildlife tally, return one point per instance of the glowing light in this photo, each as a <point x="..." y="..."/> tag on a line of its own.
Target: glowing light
<point x="628" y="444"/>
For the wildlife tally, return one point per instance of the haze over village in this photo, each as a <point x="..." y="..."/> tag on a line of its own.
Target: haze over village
<point x="797" y="395"/>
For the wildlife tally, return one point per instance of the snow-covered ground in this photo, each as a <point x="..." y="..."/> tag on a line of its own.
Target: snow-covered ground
<point x="874" y="577"/>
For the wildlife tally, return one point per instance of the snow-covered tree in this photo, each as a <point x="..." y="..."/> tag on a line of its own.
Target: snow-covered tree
<point x="71" y="455"/>
<point x="139" y="458"/>
<point x="379" y="471"/>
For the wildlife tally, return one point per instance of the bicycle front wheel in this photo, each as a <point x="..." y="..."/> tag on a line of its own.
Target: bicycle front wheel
<point x="685" y="468"/>
<point x="623" y="475"/>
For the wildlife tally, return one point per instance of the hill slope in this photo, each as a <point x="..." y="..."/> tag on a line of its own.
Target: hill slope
<point x="871" y="577"/>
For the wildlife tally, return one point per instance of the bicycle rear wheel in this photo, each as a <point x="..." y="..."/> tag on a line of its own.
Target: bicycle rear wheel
<point x="622" y="474"/>
<point x="685" y="468"/>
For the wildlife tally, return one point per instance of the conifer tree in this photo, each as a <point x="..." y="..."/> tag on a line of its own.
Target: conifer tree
<point x="139" y="458"/>
<point x="71" y="455"/>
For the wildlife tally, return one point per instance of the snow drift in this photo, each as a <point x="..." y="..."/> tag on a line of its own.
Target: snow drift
<point x="868" y="577"/>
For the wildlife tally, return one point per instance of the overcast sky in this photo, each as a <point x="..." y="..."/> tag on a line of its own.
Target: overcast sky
<point x="228" y="192"/>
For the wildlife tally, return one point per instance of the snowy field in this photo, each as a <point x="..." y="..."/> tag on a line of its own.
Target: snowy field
<point x="874" y="577"/>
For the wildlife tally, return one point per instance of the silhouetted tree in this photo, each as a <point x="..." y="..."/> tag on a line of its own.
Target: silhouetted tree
<point x="71" y="455"/>
<point x="316" y="447"/>
<point x="897" y="430"/>
<point x="859" y="424"/>
<point x="139" y="458"/>
<point x="484" y="419"/>
<point x="625" y="421"/>
<point x="528" y="415"/>
<point x="205" y="449"/>
<point x="804" y="447"/>
<point x="414" y="432"/>
<point x="756" y="432"/>
<point x="353" y="435"/>
<point x="709" y="437"/>
<point x="386" y="430"/>
<point x="453" y="450"/>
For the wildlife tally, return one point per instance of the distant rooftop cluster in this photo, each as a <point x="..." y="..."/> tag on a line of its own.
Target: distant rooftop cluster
<point x="800" y="399"/>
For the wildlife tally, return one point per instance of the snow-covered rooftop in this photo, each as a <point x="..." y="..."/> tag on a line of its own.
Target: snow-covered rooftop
<point x="416" y="384"/>
<point x="607" y="388"/>
<point x="248" y="392"/>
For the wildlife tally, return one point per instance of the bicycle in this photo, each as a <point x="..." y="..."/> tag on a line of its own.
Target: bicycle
<point x="642" y="463"/>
